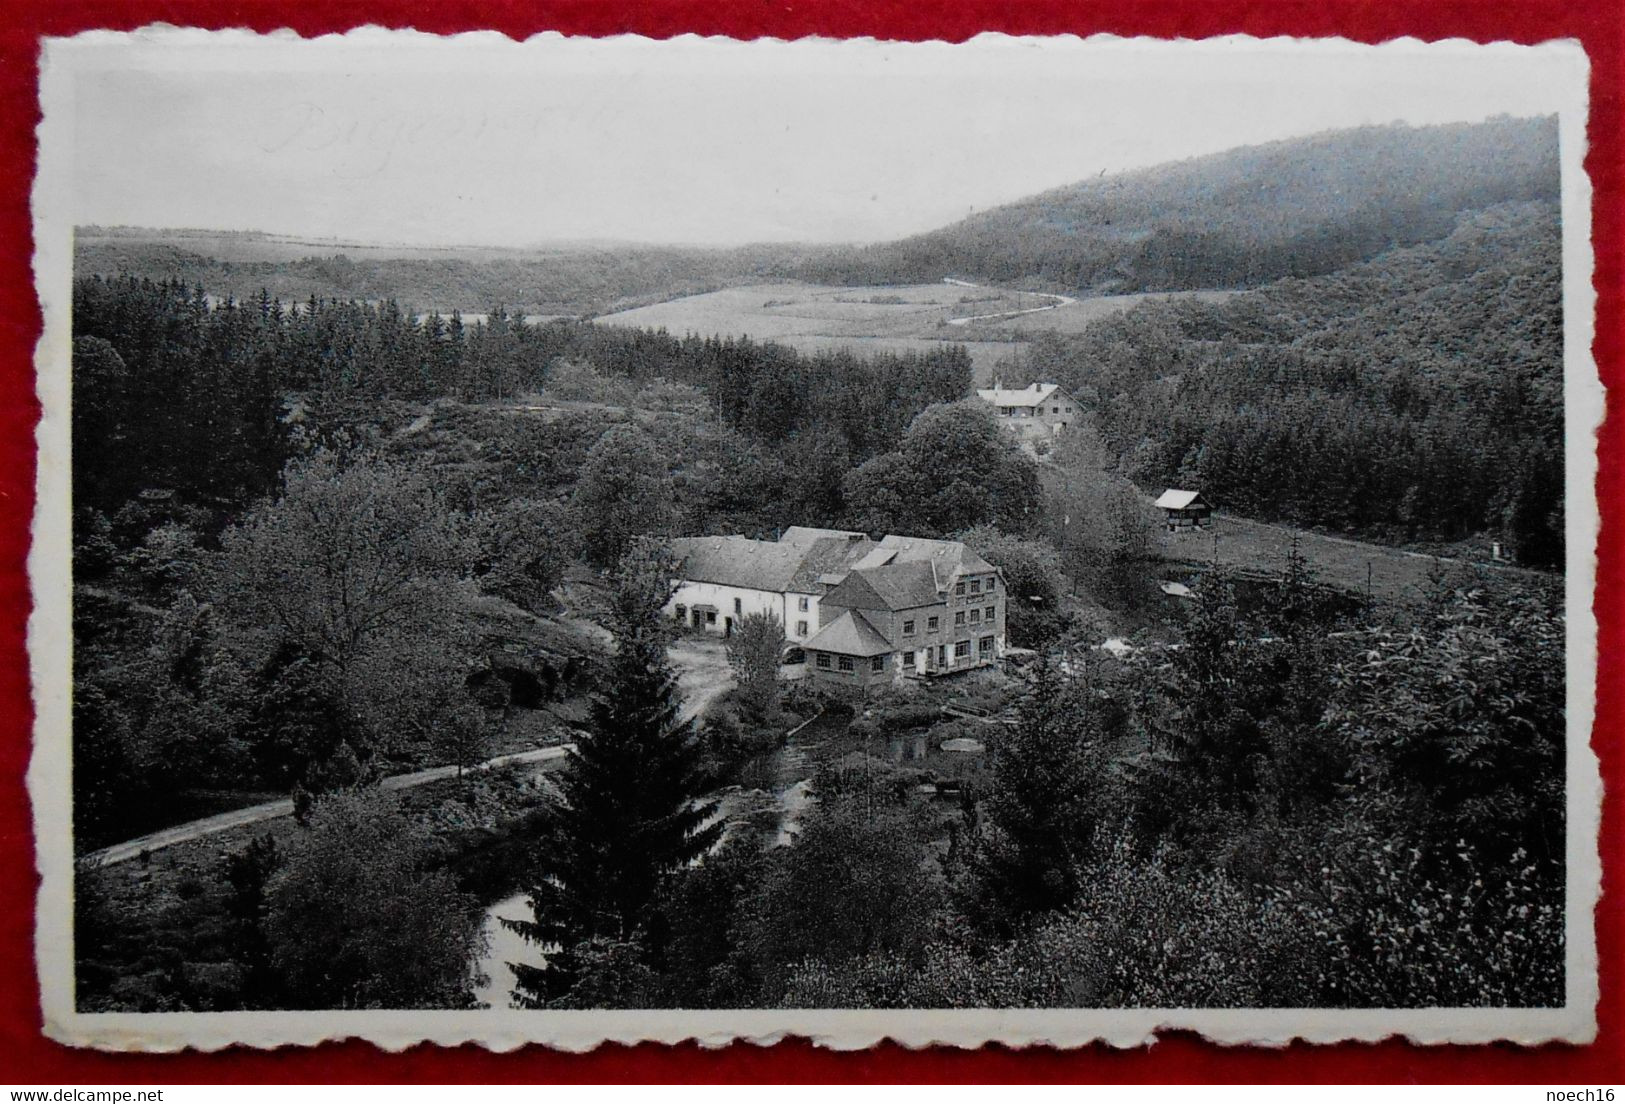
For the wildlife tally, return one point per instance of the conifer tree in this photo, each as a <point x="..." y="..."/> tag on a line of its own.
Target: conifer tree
<point x="1039" y="817"/>
<point x="632" y="806"/>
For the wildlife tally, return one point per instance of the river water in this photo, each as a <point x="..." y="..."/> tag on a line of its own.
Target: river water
<point x="503" y="946"/>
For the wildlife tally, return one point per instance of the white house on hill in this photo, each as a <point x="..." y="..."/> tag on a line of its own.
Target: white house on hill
<point x="1037" y="412"/>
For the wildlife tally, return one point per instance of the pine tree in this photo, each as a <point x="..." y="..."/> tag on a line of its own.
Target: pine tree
<point x="1040" y="814"/>
<point x="631" y="809"/>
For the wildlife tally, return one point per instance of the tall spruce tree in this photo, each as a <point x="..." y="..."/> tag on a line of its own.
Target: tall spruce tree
<point x="632" y="806"/>
<point x="1038" y="820"/>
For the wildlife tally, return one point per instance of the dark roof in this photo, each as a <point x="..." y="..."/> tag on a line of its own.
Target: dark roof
<point x="948" y="556"/>
<point x="903" y="572"/>
<point x="849" y="634"/>
<point x="738" y="561"/>
<point x="807" y="534"/>
<point x="897" y="586"/>
<point x="826" y="557"/>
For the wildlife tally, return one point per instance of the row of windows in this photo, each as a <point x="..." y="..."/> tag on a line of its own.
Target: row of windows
<point x="984" y="646"/>
<point x="961" y="650"/>
<point x="975" y="583"/>
<point x="844" y="663"/>
<point x="976" y="615"/>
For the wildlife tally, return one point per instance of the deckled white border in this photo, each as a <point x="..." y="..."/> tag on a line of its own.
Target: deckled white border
<point x="50" y="655"/>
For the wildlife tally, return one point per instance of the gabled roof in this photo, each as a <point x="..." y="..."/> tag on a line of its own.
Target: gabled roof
<point x="896" y="586"/>
<point x="946" y="556"/>
<point x="1179" y="500"/>
<point x="804" y="562"/>
<point x="1032" y="395"/>
<point x="738" y="561"/>
<point x="805" y="535"/>
<point x="849" y="634"/>
<point x="827" y="558"/>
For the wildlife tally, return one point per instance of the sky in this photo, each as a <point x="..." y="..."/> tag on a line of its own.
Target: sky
<point x="481" y="141"/>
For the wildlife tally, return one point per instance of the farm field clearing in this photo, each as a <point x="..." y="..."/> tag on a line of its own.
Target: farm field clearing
<point x="814" y="318"/>
<point x="901" y="318"/>
<point x="1397" y="576"/>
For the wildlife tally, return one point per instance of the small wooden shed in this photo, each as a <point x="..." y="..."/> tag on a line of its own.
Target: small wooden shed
<point x="1184" y="509"/>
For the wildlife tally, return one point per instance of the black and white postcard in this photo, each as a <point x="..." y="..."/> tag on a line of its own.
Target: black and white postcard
<point x="1027" y="541"/>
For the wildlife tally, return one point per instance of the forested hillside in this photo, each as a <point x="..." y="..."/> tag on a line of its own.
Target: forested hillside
<point x="1419" y="395"/>
<point x="1301" y="207"/>
<point x="204" y="400"/>
<point x="562" y="281"/>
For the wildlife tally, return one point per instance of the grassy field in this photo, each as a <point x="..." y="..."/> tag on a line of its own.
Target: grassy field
<point x="812" y="318"/>
<point x="908" y="318"/>
<point x="1395" y="576"/>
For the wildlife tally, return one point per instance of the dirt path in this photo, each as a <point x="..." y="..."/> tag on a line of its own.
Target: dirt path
<point x="1060" y="301"/>
<point x="271" y="810"/>
<point x="703" y="674"/>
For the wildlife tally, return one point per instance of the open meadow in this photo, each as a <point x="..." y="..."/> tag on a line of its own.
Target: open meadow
<point x="989" y="322"/>
<point x="811" y="318"/>
<point x="1394" y="576"/>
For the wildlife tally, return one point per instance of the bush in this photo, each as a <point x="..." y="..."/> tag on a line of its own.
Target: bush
<point x="905" y="716"/>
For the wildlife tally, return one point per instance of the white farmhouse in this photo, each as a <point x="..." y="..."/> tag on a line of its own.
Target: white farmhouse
<point x="1038" y="412"/>
<point x="726" y="579"/>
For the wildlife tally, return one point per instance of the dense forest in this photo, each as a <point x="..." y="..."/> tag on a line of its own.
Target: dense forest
<point x="1418" y="396"/>
<point x="1301" y="207"/>
<point x="1295" y="806"/>
<point x="177" y="393"/>
<point x="188" y="412"/>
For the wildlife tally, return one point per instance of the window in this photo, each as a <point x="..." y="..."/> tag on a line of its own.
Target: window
<point x="908" y="659"/>
<point x="681" y="610"/>
<point x="975" y="617"/>
<point x="908" y="628"/>
<point x="1054" y="410"/>
<point x="801" y="628"/>
<point x="878" y="663"/>
<point x="801" y="603"/>
<point x="1069" y="410"/>
<point x="736" y="607"/>
<point x="976" y="586"/>
<point x="931" y="623"/>
<point x="710" y="617"/>
<point x="991" y="612"/>
<point x="823" y="660"/>
<point x="959" y="618"/>
<point x="846" y="663"/>
<point x="985" y="644"/>
<point x="962" y="649"/>
<point x="959" y="587"/>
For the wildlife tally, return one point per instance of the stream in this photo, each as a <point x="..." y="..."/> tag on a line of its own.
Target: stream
<point x="503" y="946"/>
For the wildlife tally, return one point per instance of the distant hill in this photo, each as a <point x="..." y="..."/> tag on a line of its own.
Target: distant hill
<point x="1300" y="207"/>
<point x="572" y="280"/>
<point x="1303" y="207"/>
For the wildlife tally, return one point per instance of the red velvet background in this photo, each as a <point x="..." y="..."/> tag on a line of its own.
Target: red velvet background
<point x="27" y="1057"/>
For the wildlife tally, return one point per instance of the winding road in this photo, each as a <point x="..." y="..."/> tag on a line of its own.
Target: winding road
<point x="1060" y="301"/>
<point x="703" y="674"/>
